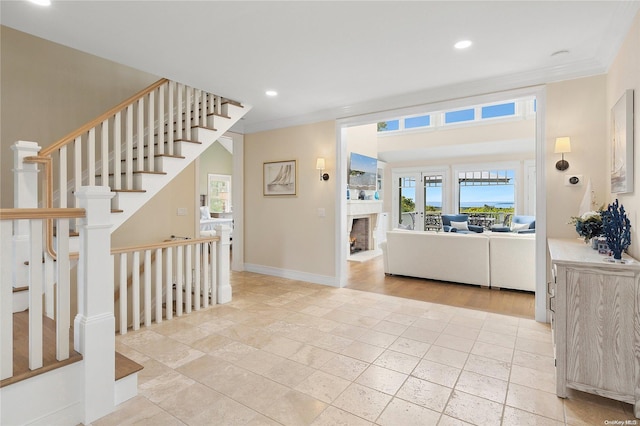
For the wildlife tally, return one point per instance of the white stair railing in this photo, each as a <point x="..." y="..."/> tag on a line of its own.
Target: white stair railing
<point x="155" y="282"/>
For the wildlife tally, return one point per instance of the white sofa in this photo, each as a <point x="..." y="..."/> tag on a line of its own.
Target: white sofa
<point x="498" y="260"/>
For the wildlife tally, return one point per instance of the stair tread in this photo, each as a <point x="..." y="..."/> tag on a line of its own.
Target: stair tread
<point x="128" y="190"/>
<point x="218" y="115"/>
<point x="138" y="172"/>
<point x="193" y="127"/>
<point x="157" y="155"/>
<point x="125" y="366"/>
<point x="21" y="349"/>
<point x="232" y="102"/>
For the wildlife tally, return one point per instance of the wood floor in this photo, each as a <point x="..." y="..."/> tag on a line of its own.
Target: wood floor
<point x="369" y="276"/>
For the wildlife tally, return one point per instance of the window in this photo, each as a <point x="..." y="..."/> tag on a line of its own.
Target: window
<point x="459" y="116"/>
<point x="388" y="126"/>
<point x="432" y="194"/>
<point x="413" y="122"/>
<point x="486" y="191"/>
<point x="407" y="198"/>
<point x="500" y="110"/>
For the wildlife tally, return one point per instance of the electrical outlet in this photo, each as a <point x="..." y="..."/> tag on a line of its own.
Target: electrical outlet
<point x="321" y="212"/>
<point x="182" y="211"/>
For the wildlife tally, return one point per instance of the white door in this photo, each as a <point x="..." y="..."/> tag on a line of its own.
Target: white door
<point x="417" y="200"/>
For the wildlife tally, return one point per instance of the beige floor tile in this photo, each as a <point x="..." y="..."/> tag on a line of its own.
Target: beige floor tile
<point x="496" y="338"/>
<point x="259" y="361"/>
<point x="586" y="409"/>
<point x="332" y="342"/>
<point x="216" y="325"/>
<point x="399" y="318"/>
<point x="463" y="331"/>
<point x="437" y="373"/>
<point x="541" y="380"/>
<point x="315" y="310"/>
<point x="344" y="366"/>
<point x="191" y="401"/>
<point x="348" y="331"/>
<point x="210" y="343"/>
<point x="488" y="366"/>
<point x="436" y="325"/>
<point x="295" y="408"/>
<point x="382" y="379"/>
<point x="282" y="346"/>
<point x="390" y="327"/>
<point x="473" y="409"/>
<point x="500" y="327"/>
<point x="535" y="346"/>
<point x="421" y="334"/>
<point x="424" y="393"/>
<point x="482" y="386"/>
<point x="136" y="410"/>
<point x="362" y="401"/>
<point x="535" y="401"/>
<point x="363" y="351"/>
<point x="312" y="356"/>
<point x="260" y="420"/>
<point x="397" y="361"/>
<point x="289" y="373"/>
<point x="453" y="342"/>
<point x="439" y="313"/>
<point x="513" y="416"/>
<point x="333" y="416"/>
<point x="489" y="350"/>
<point x="446" y="356"/>
<point x="533" y="361"/>
<point x="232" y="351"/>
<point x="377" y="338"/>
<point x="466" y="321"/>
<point x="410" y="347"/>
<point x="258" y="393"/>
<point x="201" y="367"/>
<point x="225" y="412"/>
<point x="226" y="377"/>
<point x="323" y="386"/>
<point x="164" y="386"/>
<point x="450" y="421"/>
<point x="404" y="413"/>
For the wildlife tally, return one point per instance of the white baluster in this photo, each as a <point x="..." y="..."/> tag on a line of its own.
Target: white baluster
<point x="213" y="276"/>
<point x="196" y="108"/>
<point x="205" y="275"/>
<point x="179" y="279"/>
<point x="168" y="275"/>
<point x="135" y="289"/>
<point x="104" y="144"/>
<point x="117" y="151"/>
<point x="91" y="156"/>
<point x="63" y="291"/>
<point x="49" y="281"/>
<point x="196" y="278"/>
<point x="150" y="132"/>
<point x="140" y="136"/>
<point x="223" y="247"/>
<point x="62" y="178"/>
<point x="6" y="299"/>
<point x="158" y="285"/>
<point x="124" y="322"/>
<point x="147" y="288"/>
<point x="129" y="148"/>
<point x="179" y="113"/>
<point x="171" y="118"/>
<point x="187" y="113"/>
<point x="161" y="120"/>
<point x="187" y="279"/>
<point x="35" y="295"/>
<point x="77" y="167"/>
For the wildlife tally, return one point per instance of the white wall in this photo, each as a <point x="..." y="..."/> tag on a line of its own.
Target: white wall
<point x="624" y="74"/>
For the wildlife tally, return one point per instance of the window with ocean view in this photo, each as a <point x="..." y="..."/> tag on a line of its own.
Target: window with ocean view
<point x="486" y="191"/>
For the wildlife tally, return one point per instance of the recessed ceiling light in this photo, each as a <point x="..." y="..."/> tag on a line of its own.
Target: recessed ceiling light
<point x="271" y="93"/>
<point x="41" y="2"/>
<point x="462" y="44"/>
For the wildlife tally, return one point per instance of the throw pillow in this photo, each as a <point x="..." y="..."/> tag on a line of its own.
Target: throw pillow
<point x="204" y="213"/>
<point x="515" y="227"/>
<point x="460" y="226"/>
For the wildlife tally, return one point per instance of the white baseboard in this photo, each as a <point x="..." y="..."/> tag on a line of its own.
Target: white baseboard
<point x="294" y="275"/>
<point x="126" y="388"/>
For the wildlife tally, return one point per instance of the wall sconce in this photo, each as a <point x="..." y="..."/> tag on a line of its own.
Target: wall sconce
<point x="320" y="166"/>
<point x="563" y="145"/>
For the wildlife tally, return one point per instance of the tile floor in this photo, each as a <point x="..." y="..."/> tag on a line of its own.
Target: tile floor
<point x="286" y="352"/>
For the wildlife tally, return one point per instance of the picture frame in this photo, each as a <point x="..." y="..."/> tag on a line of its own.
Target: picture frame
<point x="280" y="178"/>
<point x="622" y="144"/>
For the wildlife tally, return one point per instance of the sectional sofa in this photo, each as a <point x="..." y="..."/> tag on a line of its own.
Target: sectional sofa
<point x="498" y="260"/>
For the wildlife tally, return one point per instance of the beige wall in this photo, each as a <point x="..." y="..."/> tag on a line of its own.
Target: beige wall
<point x="215" y="159"/>
<point x="624" y="74"/>
<point x="363" y="140"/>
<point x="49" y="90"/>
<point x="286" y="233"/>
<point x="575" y="108"/>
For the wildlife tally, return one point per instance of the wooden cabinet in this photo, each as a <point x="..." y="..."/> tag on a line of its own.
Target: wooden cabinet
<point x="595" y="308"/>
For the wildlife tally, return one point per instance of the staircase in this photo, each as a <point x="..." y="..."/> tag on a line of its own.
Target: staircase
<point x="135" y="149"/>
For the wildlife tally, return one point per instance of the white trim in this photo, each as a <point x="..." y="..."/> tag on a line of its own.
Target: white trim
<point x="291" y="274"/>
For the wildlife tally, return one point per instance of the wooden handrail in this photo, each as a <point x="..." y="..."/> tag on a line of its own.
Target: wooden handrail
<point x="45" y="152"/>
<point x="18" y="214"/>
<point x="163" y="244"/>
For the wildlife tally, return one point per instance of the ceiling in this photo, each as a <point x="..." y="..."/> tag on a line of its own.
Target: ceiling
<point x="339" y="59"/>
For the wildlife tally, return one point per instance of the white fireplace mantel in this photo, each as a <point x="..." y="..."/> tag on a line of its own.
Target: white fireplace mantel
<point x="363" y="207"/>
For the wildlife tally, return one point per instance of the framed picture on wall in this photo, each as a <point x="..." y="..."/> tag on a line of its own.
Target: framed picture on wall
<point x="279" y="178"/>
<point x="622" y="144"/>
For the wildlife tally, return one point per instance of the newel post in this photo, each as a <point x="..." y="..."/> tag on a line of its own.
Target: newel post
<point x="223" y="247"/>
<point x="25" y="195"/>
<point x="95" y="323"/>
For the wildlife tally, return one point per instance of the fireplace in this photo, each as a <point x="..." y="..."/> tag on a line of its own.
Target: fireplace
<point x="360" y="234"/>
